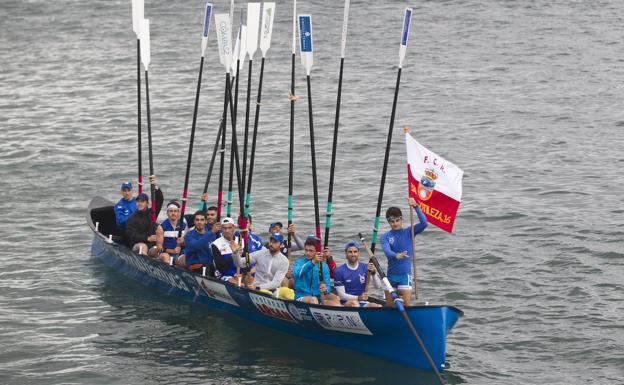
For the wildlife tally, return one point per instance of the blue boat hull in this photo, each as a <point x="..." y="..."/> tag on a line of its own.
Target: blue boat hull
<point x="379" y="332"/>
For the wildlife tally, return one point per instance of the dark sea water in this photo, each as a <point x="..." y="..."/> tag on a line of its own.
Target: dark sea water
<point x="526" y="96"/>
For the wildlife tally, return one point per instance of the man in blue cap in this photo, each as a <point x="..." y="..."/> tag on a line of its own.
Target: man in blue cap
<point x="350" y="279"/>
<point x="270" y="265"/>
<point x="127" y="204"/>
<point x="276" y="227"/>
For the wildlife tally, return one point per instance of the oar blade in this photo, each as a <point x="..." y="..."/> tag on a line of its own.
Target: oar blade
<point x="268" y="14"/>
<point x="253" y="24"/>
<point x="305" y="42"/>
<point x="137" y="16"/>
<point x="236" y="52"/>
<point x="206" y="30"/>
<point x="407" y="22"/>
<point x="224" y="39"/>
<point x="145" y="43"/>
<point x="294" y="28"/>
<point x="345" y="24"/>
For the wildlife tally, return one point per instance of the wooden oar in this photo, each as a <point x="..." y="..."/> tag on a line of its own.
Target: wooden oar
<point x="145" y="58"/>
<point x="223" y="27"/>
<point x="398" y="302"/>
<point x="251" y="45"/>
<point x="332" y="168"/>
<point x="293" y="99"/>
<point x="268" y="13"/>
<point x="137" y="17"/>
<point x="306" y="50"/>
<point x="407" y="19"/>
<point x="207" y="16"/>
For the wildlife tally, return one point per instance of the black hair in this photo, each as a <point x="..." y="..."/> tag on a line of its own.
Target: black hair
<point x="393" y="212"/>
<point x="212" y="208"/>
<point x="310" y="242"/>
<point x="199" y="212"/>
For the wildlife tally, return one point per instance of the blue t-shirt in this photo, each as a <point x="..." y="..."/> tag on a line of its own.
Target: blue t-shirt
<point x="123" y="209"/>
<point x="353" y="280"/>
<point x="397" y="241"/>
<point x="197" y="247"/>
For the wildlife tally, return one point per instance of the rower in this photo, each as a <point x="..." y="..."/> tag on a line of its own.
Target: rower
<point x="145" y="236"/>
<point x="255" y="241"/>
<point x="350" y="279"/>
<point x="276" y="227"/>
<point x="225" y="252"/>
<point x="270" y="265"/>
<point x="308" y="286"/>
<point x="127" y="204"/>
<point x="197" y="246"/>
<point x="397" y="245"/>
<point x="173" y="230"/>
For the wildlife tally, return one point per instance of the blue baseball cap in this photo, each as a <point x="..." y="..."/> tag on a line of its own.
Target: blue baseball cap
<point x="275" y="224"/>
<point x="142" y="197"/>
<point x="126" y="186"/>
<point x="351" y="244"/>
<point x="277" y="237"/>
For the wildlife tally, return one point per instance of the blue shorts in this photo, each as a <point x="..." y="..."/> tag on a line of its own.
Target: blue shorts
<point x="401" y="281"/>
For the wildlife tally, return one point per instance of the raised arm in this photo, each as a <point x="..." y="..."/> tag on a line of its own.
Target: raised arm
<point x="422" y="224"/>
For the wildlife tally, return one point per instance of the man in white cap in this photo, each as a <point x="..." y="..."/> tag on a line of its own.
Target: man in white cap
<point x="226" y="252"/>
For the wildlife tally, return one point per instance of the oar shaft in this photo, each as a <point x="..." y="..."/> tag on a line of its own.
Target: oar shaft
<point x="385" y="164"/>
<point x="191" y="142"/>
<point x="233" y="113"/>
<point x="149" y="145"/>
<point x="253" y="141"/>
<point x="317" y="220"/>
<point x="332" y="167"/>
<point x="140" y="161"/>
<point x="222" y="158"/>
<point x="246" y="136"/>
<point x="291" y="152"/>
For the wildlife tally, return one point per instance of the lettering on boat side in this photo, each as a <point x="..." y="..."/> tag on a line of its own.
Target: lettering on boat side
<point x="341" y="321"/>
<point x="154" y="271"/>
<point x="216" y="291"/>
<point x="271" y="307"/>
<point x="299" y="313"/>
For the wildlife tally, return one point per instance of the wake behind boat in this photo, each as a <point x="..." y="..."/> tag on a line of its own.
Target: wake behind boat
<point x="379" y="332"/>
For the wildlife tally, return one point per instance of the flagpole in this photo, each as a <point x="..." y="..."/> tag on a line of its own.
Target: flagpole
<point x="411" y="209"/>
<point x="293" y="98"/>
<point x="251" y="44"/>
<point x="145" y="58"/>
<point x="345" y="22"/>
<point x="268" y="12"/>
<point x="207" y="15"/>
<point x="137" y="17"/>
<point x="407" y="19"/>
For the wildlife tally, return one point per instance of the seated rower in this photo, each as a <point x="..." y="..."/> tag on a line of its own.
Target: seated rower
<point x="350" y="279"/>
<point x="198" y="249"/>
<point x="173" y="230"/>
<point x="255" y="241"/>
<point x="270" y="265"/>
<point x="327" y="258"/>
<point x="225" y="252"/>
<point x="276" y="227"/>
<point x="308" y="286"/>
<point x="144" y="235"/>
<point x="127" y="204"/>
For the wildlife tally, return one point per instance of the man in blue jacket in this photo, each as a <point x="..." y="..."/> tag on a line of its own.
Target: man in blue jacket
<point x="309" y="287"/>
<point x="127" y="204"/>
<point x="398" y="247"/>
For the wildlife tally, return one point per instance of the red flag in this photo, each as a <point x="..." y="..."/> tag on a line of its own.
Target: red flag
<point x="435" y="183"/>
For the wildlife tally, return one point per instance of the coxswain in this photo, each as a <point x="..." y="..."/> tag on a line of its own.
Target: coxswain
<point x="197" y="246"/>
<point x="145" y="236"/>
<point x="350" y="279"/>
<point x="226" y="252"/>
<point x="308" y="286"/>
<point x="397" y="245"/>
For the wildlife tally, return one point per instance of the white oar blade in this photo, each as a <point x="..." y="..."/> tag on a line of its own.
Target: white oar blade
<point x="145" y="43"/>
<point x="345" y="23"/>
<point x="305" y="41"/>
<point x="253" y="24"/>
<point x="407" y="22"/>
<point x="224" y="39"/>
<point x="206" y="30"/>
<point x="294" y="29"/>
<point x="268" y="14"/>
<point x="137" y="17"/>
<point x="243" y="44"/>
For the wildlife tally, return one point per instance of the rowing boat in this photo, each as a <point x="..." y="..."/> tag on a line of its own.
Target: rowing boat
<point x="379" y="332"/>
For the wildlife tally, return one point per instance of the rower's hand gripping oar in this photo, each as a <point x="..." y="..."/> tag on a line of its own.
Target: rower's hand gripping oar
<point x="407" y="20"/>
<point x="398" y="302"/>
